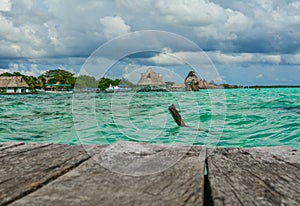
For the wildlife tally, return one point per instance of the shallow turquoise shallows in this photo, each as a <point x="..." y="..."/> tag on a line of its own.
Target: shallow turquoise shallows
<point x="233" y="118"/>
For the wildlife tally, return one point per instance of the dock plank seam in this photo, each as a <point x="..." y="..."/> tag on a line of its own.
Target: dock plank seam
<point x="264" y="182"/>
<point x="288" y="163"/>
<point x="232" y="188"/>
<point x="4" y="146"/>
<point x="230" y="156"/>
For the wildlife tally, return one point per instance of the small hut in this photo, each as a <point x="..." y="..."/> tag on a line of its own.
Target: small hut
<point x="13" y="85"/>
<point x="151" y="81"/>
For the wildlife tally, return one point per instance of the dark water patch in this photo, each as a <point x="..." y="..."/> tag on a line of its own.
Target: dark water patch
<point x="295" y="109"/>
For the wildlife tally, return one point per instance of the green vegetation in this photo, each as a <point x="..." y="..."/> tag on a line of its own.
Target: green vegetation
<point x="228" y="86"/>
<point x="59" y="76"/>
<point x="7" y="74"/>
<point x="86" y="81"/>
<point x="105" y="82"/>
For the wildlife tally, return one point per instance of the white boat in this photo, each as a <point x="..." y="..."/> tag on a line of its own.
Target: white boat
<point x="119" y="88"/>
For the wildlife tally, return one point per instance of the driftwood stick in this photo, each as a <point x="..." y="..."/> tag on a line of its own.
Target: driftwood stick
<point x="179" y="121"/>
<point x="176" y="116"/>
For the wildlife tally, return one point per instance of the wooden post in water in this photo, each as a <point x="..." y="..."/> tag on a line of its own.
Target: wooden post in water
<point x="176" y="116"/>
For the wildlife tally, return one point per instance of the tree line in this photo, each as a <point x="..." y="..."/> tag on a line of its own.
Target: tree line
<point x="64" y="77"/>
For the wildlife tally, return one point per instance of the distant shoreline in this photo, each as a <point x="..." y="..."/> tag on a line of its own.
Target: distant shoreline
<point x="272" y="86"/>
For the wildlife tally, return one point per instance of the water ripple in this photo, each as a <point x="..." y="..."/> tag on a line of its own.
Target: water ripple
<point x="253" y="118"/>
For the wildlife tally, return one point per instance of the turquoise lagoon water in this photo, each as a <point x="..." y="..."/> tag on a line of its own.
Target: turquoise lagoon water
<point x="234" y="118"/>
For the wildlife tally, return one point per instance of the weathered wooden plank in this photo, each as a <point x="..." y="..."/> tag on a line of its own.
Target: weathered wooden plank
<point x="17" y="149"/>
<point x="6" y="145"/>
<point x="92" y="184"/>
<point x="257" y="176"/>
<point x="25" y="170"/>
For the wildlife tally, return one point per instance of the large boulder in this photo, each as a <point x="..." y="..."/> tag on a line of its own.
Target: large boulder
<point x="191" y="81"/>
<point x="203" y="84"/>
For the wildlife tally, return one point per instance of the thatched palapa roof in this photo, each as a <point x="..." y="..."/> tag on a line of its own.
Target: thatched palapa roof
<point x="13" y="82"/>
<point x="150" y="78"/>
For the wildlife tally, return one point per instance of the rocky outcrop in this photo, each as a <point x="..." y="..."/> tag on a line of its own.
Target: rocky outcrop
<point x="191" y="81"/>
<point x="194" y="84"/>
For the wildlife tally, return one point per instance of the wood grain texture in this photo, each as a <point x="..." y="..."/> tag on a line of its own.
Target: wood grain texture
<point x="27" y="167"/>
<point x="256" y="176"/>
<point x="6" y="145"/>
<point x="92" y="184"/>
<point x="128" y="173"/>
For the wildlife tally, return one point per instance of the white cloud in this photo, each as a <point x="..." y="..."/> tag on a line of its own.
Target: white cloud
<point x="166" y="59"/>
<point x="239" y="58"/>
<point x="114" y="26"/>
<point x="235" y="32"/>
<point x="4" y="70"/>
<point x="5" y="5"/>
<point x="292" y="58"/>
<point x="71" y="70"/>
<point x="32" y="71"/>
<point x="227" y="29"/>
<point x="295" y="4"/>
<point x="208" y="19"/>
<point x="71" y="28"/>
<point x="268" y="58"/>
<point x="230" y="58"/>
<point x="260" y="76"/>
<point x="192" y="12"/>
<point x="24" y="40"/>
<point x="204" y="62"/>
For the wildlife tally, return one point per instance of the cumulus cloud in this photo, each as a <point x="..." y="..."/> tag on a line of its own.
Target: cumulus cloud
<point x="206" y="18"/>
<point x="291" y="58"/>
<point x="33" y="71"/>
<point x="166" y="59"/>
<point x="4" y="70"/>
<point x="5" y="5"/>
<point x="44" y="28"/>
<point x="240" y="58"/>
<point x="47" y="32"/>
<point x="114" y="26"/>
<point x="191" y="13"/>
<point x="260" y="76"/>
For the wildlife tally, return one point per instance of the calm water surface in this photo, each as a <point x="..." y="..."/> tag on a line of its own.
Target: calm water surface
<point x="239" y="118"/>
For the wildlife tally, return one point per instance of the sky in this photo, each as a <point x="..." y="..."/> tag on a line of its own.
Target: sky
<point x="254" y="42"/>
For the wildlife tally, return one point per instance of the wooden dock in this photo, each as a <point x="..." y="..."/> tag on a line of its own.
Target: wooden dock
<point x="53" y="174"/>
